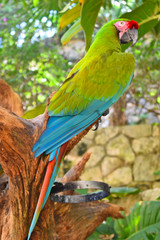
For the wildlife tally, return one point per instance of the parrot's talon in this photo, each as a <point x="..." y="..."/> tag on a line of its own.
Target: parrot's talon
<point x="105" y="113"/>
<point x="100" y="120"/>
<point x="57" y="186"/>
<point x="96" y="125"/>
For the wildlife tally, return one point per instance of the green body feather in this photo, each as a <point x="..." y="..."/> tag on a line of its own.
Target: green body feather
<point x="97" y="76"/>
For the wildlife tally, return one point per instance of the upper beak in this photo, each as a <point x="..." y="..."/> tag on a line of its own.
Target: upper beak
<point x="129" y="35"/>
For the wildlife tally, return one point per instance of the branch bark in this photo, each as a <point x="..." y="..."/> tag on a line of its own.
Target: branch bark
<point x="9" y="99"/>
<point x="118" y="117"/>
<point x="26" y="174"/>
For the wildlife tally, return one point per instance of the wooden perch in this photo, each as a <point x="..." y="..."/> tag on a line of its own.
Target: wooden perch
<point x="26" y="174"/>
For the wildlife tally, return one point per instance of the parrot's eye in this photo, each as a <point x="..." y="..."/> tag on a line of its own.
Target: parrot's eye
<point x="121" y="23"/>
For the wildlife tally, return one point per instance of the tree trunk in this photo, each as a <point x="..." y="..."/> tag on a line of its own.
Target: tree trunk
<point x="118" y="117"/>
<point x="26" y="174"/>
<point x="9" y="99"/>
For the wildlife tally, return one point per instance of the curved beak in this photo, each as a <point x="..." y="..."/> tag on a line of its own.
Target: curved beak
<point x="131" y="35"/>
<point x="134" y="35"/>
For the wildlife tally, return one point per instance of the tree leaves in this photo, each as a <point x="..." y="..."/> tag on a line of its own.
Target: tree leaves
<point x="87" y="8"/>
<point x="146" y="15"/>
<point x="89" y="15"/>
<point x="105" y="231"/>
<point x="76" y="27"/>
<point x="35" y="111"/>
<point x="123" y="191"/>
<point x="142" y="222"/>
<point x="69" y="16"/>
<point x="35" y="2"/>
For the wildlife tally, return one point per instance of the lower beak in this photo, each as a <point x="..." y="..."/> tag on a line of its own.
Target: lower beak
<point x="134" y="35"/>
<point x="131" y="35"/>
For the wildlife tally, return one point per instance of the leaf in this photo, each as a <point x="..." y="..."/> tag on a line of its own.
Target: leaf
<point x="144" y="220"/>
<point x="76" y="27"/>
<point x="70" y="16"/>
<point x="82" y="191"/>
<point x="147" y="17"/>
<point x="81" y="1"/>
<point x="158" y="99"/>
<point x="90" y="9"/>
<point x="105" y="229"/>
<point x="35" y="111"/>
<point x="156" y="173"/>
<point x="67" y="6"/>
<point x="123" y="191"/>
<point x="151" y="236"/>
<point x="157" y="29"/>
<point x="52" y="5"/>
<point x="35" y="2"/>
<point x="25" y="4"/>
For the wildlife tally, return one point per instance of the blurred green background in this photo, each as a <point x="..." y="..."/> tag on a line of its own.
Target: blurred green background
<point x="34" y="64"/>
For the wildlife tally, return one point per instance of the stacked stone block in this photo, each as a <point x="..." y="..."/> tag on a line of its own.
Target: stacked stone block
<point x="122" y="156"/>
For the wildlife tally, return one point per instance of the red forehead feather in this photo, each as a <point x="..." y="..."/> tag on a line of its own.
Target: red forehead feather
<point x="133" y="24"/>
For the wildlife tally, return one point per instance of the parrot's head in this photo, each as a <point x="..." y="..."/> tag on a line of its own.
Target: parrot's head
<point x="127" y="31"/>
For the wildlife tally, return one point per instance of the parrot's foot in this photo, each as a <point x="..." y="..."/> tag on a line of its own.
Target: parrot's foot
<point x="105" y="113"/>
<point x="99" y="120"/>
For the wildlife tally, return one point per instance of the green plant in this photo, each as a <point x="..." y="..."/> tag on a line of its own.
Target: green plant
<point x="123" y="191"/>
<point x="143" y="223"/>
<point x="105" y="231"/>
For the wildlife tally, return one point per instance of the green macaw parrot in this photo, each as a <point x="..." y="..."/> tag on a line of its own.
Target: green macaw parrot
<point x="95" y="83"/>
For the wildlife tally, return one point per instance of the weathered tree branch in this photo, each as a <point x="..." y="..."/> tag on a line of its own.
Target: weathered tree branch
<point x="26" y="174"/>
<point x="9" y="99"/>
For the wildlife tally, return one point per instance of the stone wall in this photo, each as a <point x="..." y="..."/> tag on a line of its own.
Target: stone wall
<point x="122" y="156"/>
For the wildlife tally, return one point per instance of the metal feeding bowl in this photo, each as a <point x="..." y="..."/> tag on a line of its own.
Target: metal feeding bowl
<point x="70" y="186"/>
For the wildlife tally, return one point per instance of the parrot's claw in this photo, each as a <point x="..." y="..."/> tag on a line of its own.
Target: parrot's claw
<point x="99" y="121"/>
<point x="105" y="113"/>
<point x="96" y="125"/>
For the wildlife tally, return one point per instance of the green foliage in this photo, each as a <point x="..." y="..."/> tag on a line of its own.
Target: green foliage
<point x="146" y="15"/>
<point x="75" y="28"/>
<point x="35" y="111"/>
<point x="33" y="65"/>
<point x="90" y="8"/>
<point x="123" y="191"/>
<point x="105" y="231"/>
<point x="156" y="173"/>
<point x="115" y="191"/>
<point x="141" y="223"/>
<point x="69" y="16"/>
<point x="30" y="61"/>
<point x="147" y="79"/>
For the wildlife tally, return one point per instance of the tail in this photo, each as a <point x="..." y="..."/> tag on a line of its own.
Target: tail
<point x="50" y="176"/>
